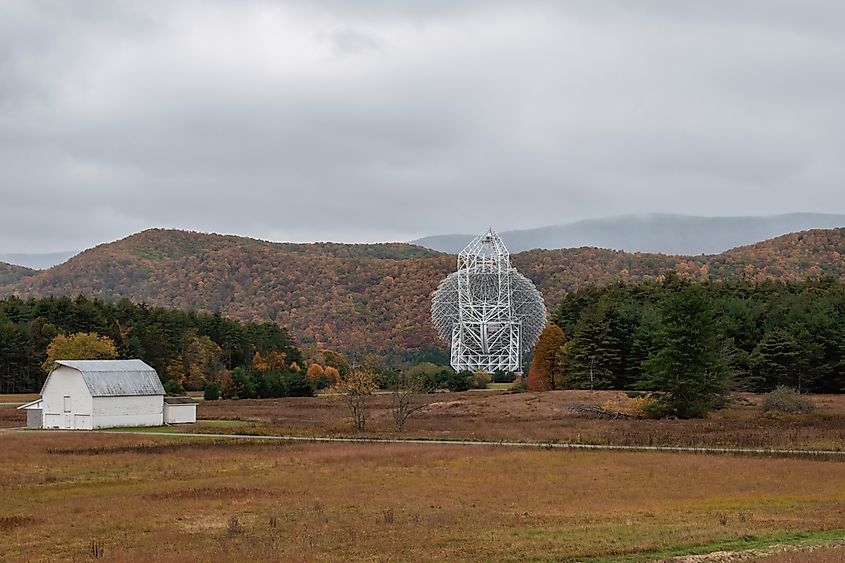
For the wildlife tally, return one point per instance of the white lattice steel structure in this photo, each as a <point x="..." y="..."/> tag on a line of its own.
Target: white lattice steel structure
<point x="490" y="313"/>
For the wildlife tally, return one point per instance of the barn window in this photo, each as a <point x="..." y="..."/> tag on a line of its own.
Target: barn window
<point x="67" y="403"/>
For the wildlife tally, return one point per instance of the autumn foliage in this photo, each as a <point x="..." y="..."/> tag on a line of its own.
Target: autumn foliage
<point x="79" y="346"/>
<point x="360" y="298"/>
<point x="356" y="387"/>
<point x="547" y="365"/>
<point x="272" y="361"/>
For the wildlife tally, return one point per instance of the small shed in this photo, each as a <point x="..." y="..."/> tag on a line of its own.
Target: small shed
<point x="179" y="410"/>
<point x="88" y="394"/>
<point x="33" y="413"/>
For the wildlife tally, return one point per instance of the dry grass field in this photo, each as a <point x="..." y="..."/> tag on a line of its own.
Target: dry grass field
<point x="552" y="416"/>
<point x="78" y="496"/>
<point x="121" y="497"/>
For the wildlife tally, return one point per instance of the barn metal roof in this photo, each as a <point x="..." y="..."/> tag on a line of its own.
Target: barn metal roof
<point x="114" y="378"/>
<point x="179" y="401"/>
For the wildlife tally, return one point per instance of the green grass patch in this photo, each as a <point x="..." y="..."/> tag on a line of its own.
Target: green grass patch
<point x="223" y="423"/>
<point x="798" y="539"/>
<point x="157" y="429"/>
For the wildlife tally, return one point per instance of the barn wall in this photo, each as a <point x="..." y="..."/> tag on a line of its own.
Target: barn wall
<point x="65" y="381"/>
<point x="180" y="414"/>
<point x="33" y="418"/>
<point x="128" y="411"/>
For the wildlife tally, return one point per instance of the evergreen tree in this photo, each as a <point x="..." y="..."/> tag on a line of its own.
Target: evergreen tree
<point x="776" y="361"/>
<point x="212" y="391"/>
<point x="594" y="355"/>
<point x="686" y="369"/>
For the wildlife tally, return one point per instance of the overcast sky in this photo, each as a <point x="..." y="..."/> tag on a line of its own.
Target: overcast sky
<point x="388" y="120"/>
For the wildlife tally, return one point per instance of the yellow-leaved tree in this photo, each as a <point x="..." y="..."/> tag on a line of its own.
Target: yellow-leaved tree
<point x="356" y="387"/>
<point x="79" y="346"/>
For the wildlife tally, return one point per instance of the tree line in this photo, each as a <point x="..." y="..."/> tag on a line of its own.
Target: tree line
<point x="705" y="337"/>
<point x="185" y="347"/>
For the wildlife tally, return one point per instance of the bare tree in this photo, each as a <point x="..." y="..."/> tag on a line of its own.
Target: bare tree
<point x="356" y="387"/>
<point x="407" y="400"/>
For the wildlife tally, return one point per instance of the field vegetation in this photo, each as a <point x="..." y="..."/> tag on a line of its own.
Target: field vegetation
<point x="562" y="416"/>
<point x="555" y="416"/>
<point x="81" y="496"/>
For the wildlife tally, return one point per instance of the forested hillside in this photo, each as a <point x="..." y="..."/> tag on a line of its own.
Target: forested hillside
<point x="11" y="274"/>
<point x="808" y="254"/>
<point x="359" y="298"/>
<point x="187" y="347"/>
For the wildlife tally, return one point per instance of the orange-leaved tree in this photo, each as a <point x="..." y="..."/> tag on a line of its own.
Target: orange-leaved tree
<point x="547" y="369"/>
<point x="315" y="372"/>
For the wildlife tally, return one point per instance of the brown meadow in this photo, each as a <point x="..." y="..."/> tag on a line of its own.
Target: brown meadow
<point x="121" y="497"/>
<point x="551" y="416"/>
<point x="75" y="496"/>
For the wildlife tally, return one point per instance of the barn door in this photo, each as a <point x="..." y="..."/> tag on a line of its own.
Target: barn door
<point x="68" y="417"/>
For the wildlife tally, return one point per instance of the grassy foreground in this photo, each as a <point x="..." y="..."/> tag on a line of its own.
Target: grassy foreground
<point x="74" y="496"/>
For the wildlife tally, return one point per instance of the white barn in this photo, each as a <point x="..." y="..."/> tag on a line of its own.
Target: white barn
<point x="88" y="394"/>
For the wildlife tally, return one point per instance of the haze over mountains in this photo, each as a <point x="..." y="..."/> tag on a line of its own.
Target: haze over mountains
<point x="37" y="261"/>
<point x="663" y="233"/>
<point x="374" y="297"/>
<point x="657" y="233"/>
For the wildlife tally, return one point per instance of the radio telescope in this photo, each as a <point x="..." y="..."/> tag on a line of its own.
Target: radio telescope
<point x="490" y="313"/>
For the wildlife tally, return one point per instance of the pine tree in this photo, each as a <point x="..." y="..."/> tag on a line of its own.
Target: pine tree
<point x="776" y="361"/>
<point x="686" y="369"/>
<point x="594" y="355"/>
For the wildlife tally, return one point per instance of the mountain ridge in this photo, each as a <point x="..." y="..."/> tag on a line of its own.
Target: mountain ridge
<point x="662" y="233"/>
<point x="12" y="273"/>
<point x="373" y="298"/>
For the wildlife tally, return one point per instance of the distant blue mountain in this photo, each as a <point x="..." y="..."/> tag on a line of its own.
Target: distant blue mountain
<point x="668" y="234"/>
<point x="37" y="261"/>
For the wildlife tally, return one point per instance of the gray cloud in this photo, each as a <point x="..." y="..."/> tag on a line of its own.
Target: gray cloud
<point x="380" y="120"/>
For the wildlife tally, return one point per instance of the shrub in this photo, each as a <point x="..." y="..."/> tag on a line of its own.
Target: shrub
<point x="640" y="406"/>
<point x="173" y="387"/>
<point x="323" y="382"/>
<point x="520" y="386"/>
<point x="500" y="376"/>
<point x="212" y="391"/>
<point x="645" y="406"/>
<point x="446" y="378"/>
<point x="479" y="380"/>
<point x="459" y="381"/>
<point x="434" y="376"/>
<point x="297" y="385"/>
<point x="785" y="400"/>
